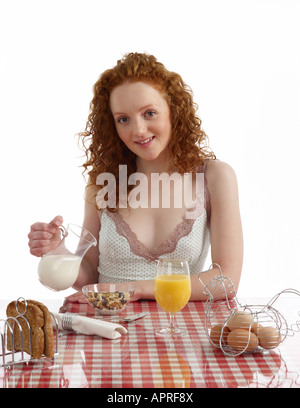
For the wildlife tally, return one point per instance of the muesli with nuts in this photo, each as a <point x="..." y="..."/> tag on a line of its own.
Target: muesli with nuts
<point x="109" y="300"/>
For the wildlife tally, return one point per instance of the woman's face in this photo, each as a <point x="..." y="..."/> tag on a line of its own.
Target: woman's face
<point x="142" y="119"/>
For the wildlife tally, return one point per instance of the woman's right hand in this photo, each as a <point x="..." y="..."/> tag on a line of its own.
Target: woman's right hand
<point x="44" y="237"/>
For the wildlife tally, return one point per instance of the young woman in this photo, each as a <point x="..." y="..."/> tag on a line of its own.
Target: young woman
<point x="142" y="125"/>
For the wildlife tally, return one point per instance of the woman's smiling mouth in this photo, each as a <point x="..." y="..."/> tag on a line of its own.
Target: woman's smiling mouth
<point x="145" y="141"/>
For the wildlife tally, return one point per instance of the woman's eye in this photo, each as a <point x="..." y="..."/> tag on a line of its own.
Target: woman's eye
<point x="122" y="120"/>
<point x="150" y="114"/>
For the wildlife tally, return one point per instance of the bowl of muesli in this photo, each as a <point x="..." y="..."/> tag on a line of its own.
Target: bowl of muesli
<point x="108" y="298"/>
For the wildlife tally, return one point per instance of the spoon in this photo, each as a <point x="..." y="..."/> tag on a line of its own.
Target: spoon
<point x="134" y="317"/>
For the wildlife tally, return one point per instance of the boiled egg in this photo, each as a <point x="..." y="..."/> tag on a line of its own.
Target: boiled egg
<point x="240" y="320"/>
<point x="269" y="337"/>
<point x="242" y="340"/>
<point x="216" y="333"/>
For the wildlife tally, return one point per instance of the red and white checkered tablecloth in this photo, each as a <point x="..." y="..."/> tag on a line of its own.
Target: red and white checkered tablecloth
<point x="141" y="359"/>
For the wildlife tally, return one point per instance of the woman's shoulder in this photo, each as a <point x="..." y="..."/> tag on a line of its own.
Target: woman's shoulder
<point x="219" y="174"/>
<point x="218" y="168"/>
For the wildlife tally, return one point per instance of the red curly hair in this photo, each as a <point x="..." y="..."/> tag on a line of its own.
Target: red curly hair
<point x="105" y="151"/>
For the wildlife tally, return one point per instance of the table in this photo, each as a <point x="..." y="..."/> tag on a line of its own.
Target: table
<point x="140" y="359"/>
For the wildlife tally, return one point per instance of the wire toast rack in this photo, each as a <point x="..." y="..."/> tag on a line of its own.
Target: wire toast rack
<point x="235" y="328"/>
<point x="7" y="328"/>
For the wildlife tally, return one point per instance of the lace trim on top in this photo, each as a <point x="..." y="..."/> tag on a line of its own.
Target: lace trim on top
<point x="138" y="248"/>
<point x="169" y="245"/>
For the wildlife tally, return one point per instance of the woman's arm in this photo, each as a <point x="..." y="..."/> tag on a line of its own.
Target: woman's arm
<point x="88" y="272"/>
<point x="225" y="225"/>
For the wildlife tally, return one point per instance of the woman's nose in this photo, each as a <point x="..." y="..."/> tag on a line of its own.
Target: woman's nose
<point x="139" y="128"/>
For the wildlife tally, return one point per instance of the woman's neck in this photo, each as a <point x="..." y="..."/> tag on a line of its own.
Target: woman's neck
<point x="159" y="165"/>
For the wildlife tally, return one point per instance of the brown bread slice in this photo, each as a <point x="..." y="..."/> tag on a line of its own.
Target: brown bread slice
<point x="35" y="318"/>
<point x="47" y="328"/>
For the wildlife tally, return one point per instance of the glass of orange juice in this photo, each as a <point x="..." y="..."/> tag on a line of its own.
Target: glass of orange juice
<point x="172" y="291"/>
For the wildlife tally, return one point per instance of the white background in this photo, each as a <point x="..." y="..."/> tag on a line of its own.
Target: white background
<point x="242" y="60"/>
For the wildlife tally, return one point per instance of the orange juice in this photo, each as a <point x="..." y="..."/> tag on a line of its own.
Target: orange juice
<point x="172" y="292"/>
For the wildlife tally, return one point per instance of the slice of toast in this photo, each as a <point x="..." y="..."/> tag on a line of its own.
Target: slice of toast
<point x="47" y="328"/>
<point x="35" y="318"/>
<point x="39" y="319"/>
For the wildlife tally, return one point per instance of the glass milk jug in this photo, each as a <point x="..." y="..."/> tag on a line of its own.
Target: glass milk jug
<point x="59" y="268"/>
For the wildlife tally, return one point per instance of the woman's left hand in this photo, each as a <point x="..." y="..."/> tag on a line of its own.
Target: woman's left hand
<point x="77" y="297"/>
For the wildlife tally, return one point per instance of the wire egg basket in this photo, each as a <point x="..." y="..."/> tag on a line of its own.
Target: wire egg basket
<point x="235" y="328"/>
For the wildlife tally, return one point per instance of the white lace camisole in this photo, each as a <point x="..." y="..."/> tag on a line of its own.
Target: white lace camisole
<point x="122" y="257"/>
